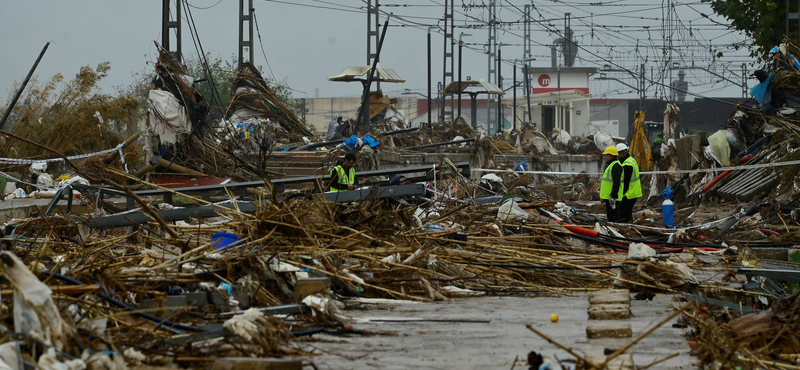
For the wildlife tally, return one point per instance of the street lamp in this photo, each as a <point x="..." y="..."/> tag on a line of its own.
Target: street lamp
<point x="460" y="45"/>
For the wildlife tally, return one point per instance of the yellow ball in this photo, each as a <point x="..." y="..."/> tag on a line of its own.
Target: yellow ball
<point x="554" y="254"/>
<point x="554" y="318"/>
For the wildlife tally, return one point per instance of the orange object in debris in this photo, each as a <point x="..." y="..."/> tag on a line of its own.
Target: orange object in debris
<point x="579" y="230"/>
<point x="716" y="180"/>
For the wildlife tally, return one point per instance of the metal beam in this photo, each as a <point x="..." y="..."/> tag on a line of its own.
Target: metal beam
<point x="435" y="145"/>
<point x="241" y="187"/>
<point x="716" y="302"/>
<point x="137" y="218"/>
<point x="382" y="192"/>
<point x="783" y="275"/>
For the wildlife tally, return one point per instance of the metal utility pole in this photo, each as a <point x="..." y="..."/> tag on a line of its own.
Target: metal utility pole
<point x="22" y="87"/>
<point x="526" y="33"/>
<point x="668" y="44"/>
<point x="447" y="70"/>
<point x="642" y="88"/>
<point x="492" y="49"/>
<point x="246" y="24"/>
<point x="373" y="17"/>
<point x="514" y="99"/>
<point x="460" y="46"/>
<point x="364" y="112"/>
<point x="744" y="80"/>
<point x="430" y="126"/>
<point x="167" y="25"/>
<point x="526" y="54"/>
<point x="528" y="92"/>
<point x="499" y="97"/>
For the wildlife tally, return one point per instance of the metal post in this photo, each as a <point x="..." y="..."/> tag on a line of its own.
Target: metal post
<point x="245" y="18"/>
<point x="22" y="87"/>
<point x="448" y="59"/>
<point x="430" y="125"/>
<point x="473" y="110"/>
<point x="514" y="104"/>
<point x="167" y="25"/>
<point x="558" y="106"/>
<point x="373" y="15"/>
<point x="368" y="82"/>
<point x="460" y="46"/>
<point x="641" y="89"/>
<point x="744" y="78"/>
<point x="528" y="92"/>
<point x="499" y="97"/>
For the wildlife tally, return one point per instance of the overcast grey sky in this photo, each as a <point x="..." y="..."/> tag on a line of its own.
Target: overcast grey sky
<point x="307" y="41"/>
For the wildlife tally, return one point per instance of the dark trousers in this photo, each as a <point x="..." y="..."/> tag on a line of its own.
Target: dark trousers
<point x="613" y="215"/>
<point x="626" y="209"/>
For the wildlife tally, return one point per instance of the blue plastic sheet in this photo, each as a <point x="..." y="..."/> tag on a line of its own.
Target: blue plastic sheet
<point x="760" y="91"/>
<point x="370" y="141"/>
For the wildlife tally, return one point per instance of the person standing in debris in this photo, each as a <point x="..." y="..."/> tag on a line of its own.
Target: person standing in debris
<point x="631" y="186"/>
<point x="610" y="189"/>
<point x="343" y="176"/>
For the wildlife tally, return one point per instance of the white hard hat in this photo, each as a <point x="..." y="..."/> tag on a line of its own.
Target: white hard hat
<point x="621" y="147"/>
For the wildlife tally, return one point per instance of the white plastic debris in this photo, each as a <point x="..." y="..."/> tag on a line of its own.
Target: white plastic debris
<point x="103" y="361"/>
<point x="134" y="356"/>
<point x="34" y="309"/>
<point x="247" y="325"/>
<point x="392" y="258"/>
<point x="353" y="277"/>
<point x="10" y="356"/>
<point x="38" y="168"/>
<point x="49" y="361"/>
<point x="639" y="250"/>
<point x="286" y="267"/>
<point x="413" y="257"/>
<point x="511" y="211"/>
<point x="602" y="140"/>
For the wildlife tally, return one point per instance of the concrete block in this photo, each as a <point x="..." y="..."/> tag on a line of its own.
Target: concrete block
<point x="609" y="330"/>
<point x="610" y="296"/>
<point x="310" y="285"/>
<point x="250" y="363"/>
<point x="778" y="254"/>
<point x="173" y="304"/>
<point x="219" y="298"/>
<point x="621" y="362"/>
<point x="198" y="299"/>
<point x="610" y="312"/>
<point x="169" y="306"/>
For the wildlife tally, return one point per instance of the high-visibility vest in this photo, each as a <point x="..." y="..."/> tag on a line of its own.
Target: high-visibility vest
<point x="607" y="184"/>
<point x="635" y="186"/>
<point x="344" y="179"/>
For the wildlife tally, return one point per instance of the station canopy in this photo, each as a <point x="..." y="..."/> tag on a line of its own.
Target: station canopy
<point x="474" y="87"/>
<point x="359" y="73"/>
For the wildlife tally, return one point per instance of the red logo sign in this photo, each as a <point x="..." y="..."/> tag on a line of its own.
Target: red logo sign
<point x="544" y="80"/>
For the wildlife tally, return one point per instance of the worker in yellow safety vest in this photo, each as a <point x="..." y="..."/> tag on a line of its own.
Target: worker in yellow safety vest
<point x="610" y="189"/>
<point x="631" y="184"/>
<point x="343" y="176"/>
